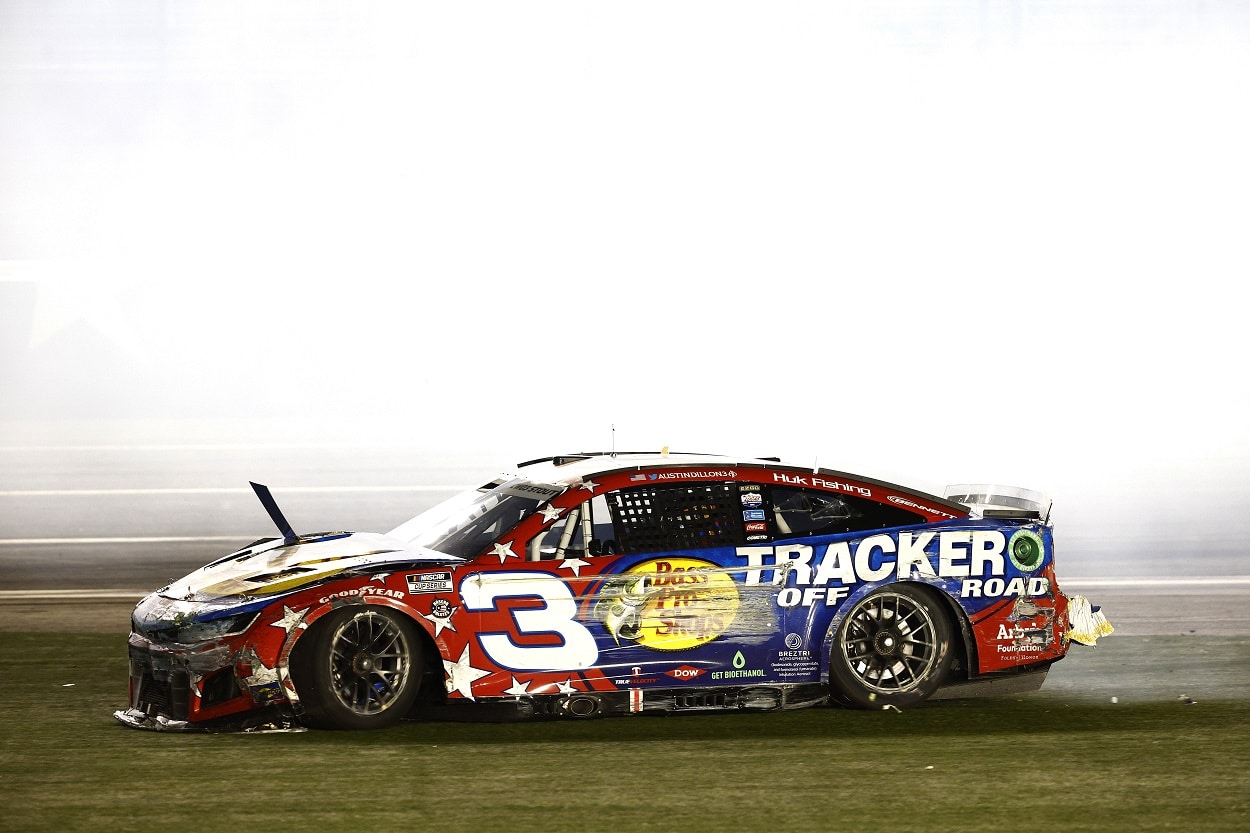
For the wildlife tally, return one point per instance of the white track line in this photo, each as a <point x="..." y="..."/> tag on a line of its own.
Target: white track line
<point x="10" y="595"/>
<point x="17" y="449"/>
<point x="228" y="490"/>
<point x="173" y="539"/>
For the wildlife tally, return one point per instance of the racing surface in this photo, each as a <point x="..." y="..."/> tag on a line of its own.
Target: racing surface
<point x="135" y="516"/>
<point x="85" y="531"/>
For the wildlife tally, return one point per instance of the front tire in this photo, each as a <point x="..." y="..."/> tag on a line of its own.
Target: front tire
<point x="892" y="649"/>
<point x="359" y="667"/>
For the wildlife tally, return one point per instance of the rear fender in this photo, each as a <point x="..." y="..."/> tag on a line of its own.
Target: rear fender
<point x="964" y="647"/>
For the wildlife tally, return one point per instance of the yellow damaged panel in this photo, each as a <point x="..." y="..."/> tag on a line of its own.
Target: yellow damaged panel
<point x="281" y="569"/>
<point x="268" y="585"/>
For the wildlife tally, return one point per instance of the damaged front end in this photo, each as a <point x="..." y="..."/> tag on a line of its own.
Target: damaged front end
<point x="190" y="670"/>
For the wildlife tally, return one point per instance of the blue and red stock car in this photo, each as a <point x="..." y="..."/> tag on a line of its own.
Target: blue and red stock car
<point x="613" y="584"/>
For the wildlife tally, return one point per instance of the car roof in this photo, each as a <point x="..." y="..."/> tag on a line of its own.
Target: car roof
<point x="588" y="464"/>
<point x="574" y="468"/>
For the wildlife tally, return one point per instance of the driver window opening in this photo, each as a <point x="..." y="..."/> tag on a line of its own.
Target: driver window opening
<point x="654" y="518"/>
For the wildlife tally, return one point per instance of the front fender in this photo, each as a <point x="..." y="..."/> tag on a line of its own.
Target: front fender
<point x="309" y="618"/>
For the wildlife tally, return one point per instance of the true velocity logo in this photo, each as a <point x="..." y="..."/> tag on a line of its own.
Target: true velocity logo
<point x="825" y="573"/>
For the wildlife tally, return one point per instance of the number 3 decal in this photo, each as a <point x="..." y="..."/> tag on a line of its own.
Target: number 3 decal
<point x="557" y="616"/>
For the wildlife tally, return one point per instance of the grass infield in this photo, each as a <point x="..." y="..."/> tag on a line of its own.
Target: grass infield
<point x="1044" y="761"/>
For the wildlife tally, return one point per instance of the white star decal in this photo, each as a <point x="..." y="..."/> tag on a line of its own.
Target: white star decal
<point x="574" y="564"/>
<point x="440" y="622"/>
<point x="550" y="513"/>
<point x="504" y="551"/>
<point x="461" y="675"/>
<point x="566" y="687"/>
<point x="590" y="485"/>
<point x="379" y="577"/>
<point x="518" y="689"/>
<point x="262" y="675"/>
<point x="291" y="619"/>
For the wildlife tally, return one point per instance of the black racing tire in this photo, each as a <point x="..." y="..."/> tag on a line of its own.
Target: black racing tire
<point x="358" y="667"/>
<point x="892" y="649"/>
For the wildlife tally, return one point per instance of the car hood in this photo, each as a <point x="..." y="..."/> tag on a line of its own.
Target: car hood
<point x="272" y="566"/>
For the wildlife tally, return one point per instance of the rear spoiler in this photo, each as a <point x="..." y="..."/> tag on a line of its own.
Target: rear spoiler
<point x="1007" y="503"/>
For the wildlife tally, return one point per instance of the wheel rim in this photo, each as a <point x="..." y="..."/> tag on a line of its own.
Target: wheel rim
<point x="890" y="643"/>
<point x="370" y="660"/>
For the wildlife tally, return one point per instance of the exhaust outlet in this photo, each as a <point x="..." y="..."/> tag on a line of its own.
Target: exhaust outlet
<point x="581" y="706"/>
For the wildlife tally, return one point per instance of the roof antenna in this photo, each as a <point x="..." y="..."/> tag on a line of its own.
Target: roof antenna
<point x="614" y="440"/>
<point x="816" y="465"/>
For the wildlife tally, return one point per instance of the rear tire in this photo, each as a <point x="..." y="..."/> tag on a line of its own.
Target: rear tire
<point x="892" y="649"/>
<point x="359" y="667"/>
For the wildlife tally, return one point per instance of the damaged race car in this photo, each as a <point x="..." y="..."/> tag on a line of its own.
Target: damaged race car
<point x="616" y="584"/>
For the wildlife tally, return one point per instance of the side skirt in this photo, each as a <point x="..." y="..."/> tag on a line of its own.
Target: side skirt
<point x="588" y="704"/>
<point x="996" y="685"/>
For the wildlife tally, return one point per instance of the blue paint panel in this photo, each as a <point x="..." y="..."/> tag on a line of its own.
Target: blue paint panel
<point x="789" y="593"/>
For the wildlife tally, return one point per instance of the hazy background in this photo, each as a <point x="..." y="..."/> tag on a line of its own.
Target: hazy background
<point x="934" y="242"/>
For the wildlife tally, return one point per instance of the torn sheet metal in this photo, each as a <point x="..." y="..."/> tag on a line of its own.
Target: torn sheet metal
<point x="277" y="722"/>
<point x="1087" y="622"/>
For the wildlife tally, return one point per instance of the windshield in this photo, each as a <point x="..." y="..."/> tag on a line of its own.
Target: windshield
<point x="470" y="522"/>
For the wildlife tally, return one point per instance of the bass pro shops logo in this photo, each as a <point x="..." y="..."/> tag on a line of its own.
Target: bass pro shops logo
<point x="826" y="573"/>
<point x="668" y="604"/>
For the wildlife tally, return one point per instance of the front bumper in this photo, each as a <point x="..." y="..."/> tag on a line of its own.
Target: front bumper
<point x="270" y="719"/>
<point x="177" y="687"/>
